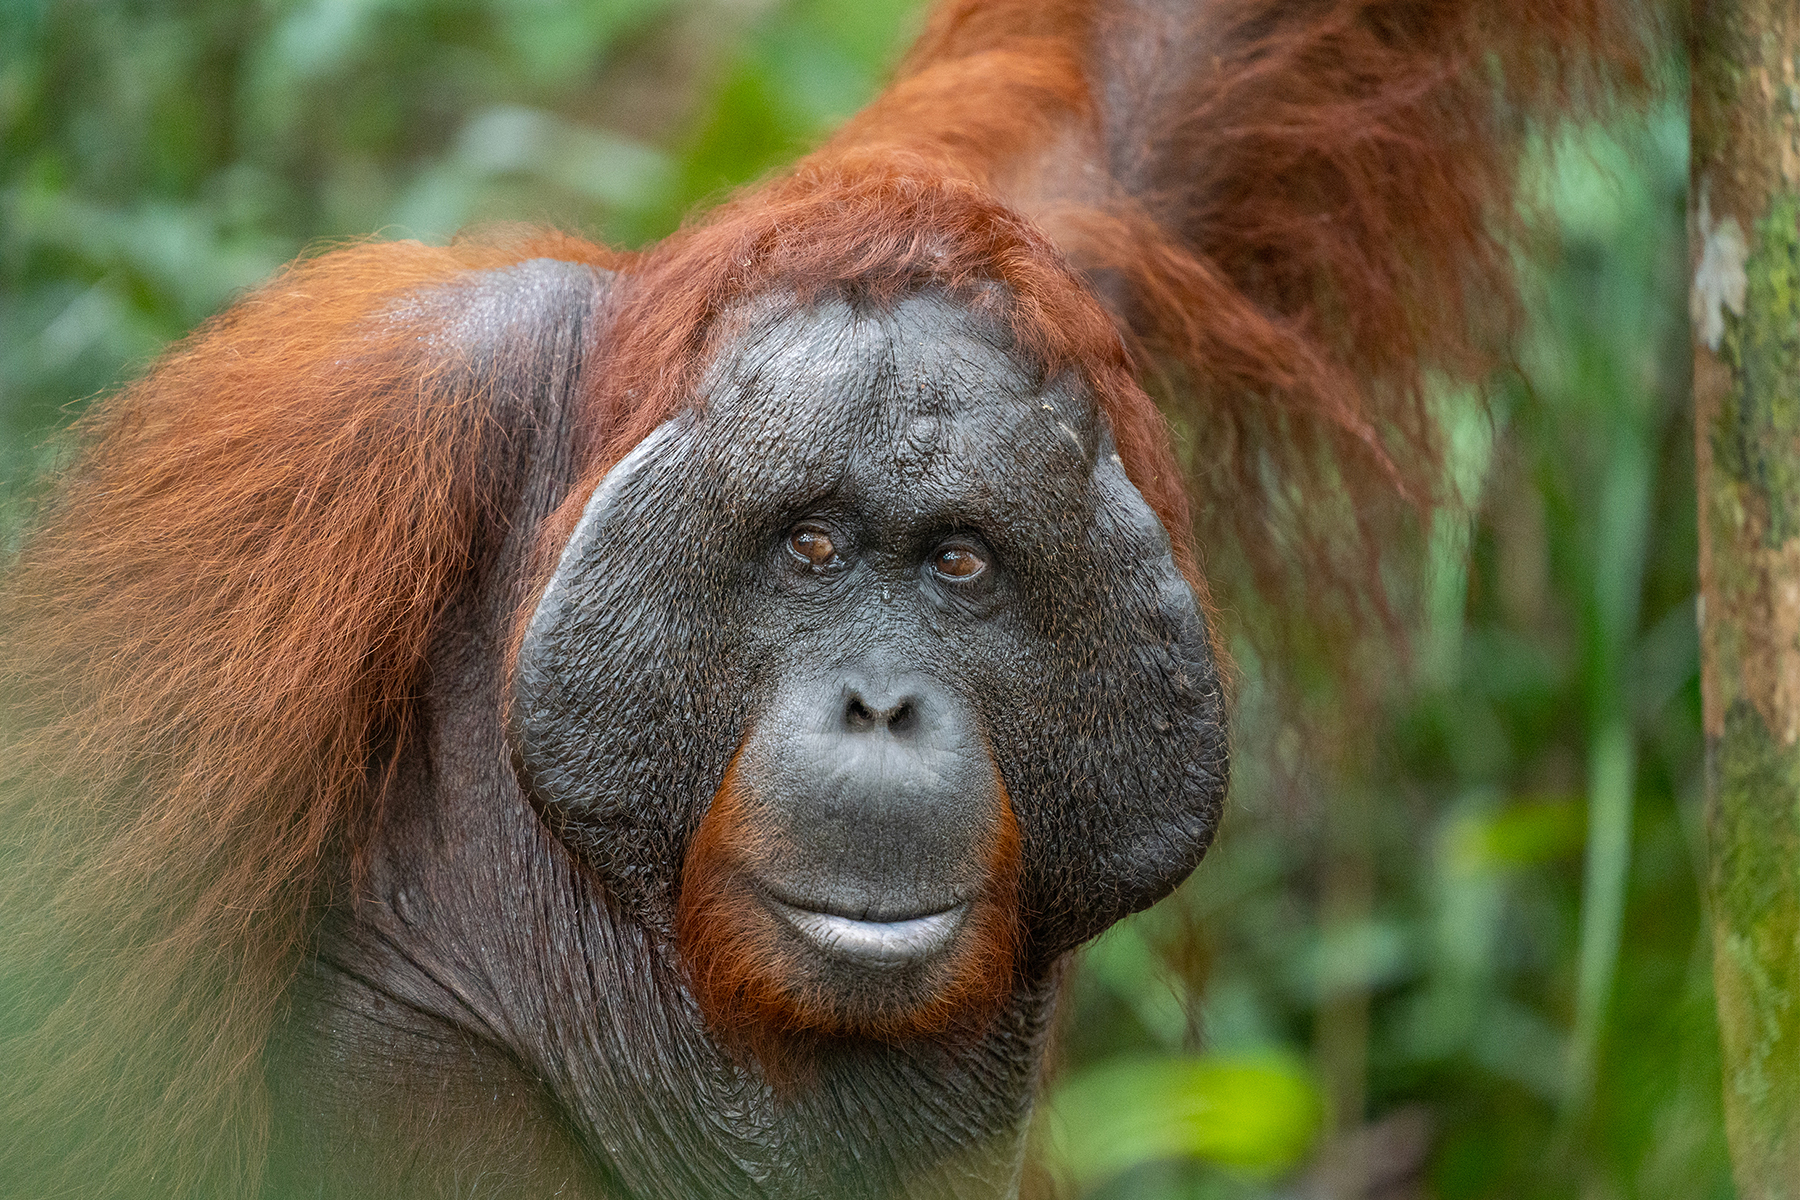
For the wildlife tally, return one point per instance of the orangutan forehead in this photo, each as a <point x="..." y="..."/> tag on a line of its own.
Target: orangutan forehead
<point x="924" y="379"/>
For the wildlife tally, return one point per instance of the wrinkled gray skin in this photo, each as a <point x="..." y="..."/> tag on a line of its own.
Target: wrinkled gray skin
<point x="504" y="1013"/>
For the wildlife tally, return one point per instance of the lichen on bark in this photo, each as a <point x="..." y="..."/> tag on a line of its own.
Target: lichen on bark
<point x="1754" y="438"/>
<point x="1755" y="879"/>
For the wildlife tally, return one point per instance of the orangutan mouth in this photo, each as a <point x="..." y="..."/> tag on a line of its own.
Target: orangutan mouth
<point x="878" y="943"/>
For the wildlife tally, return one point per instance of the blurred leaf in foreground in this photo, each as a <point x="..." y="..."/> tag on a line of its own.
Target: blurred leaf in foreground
<point x="1257" y="1113"/>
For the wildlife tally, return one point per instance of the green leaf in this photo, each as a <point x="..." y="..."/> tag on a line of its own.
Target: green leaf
<point x="1257" y="1113"/>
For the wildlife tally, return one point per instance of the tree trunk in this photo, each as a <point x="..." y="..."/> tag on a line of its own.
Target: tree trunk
<point x="1745" y="206"/>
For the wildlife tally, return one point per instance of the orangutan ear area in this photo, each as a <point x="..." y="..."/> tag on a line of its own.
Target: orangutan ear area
<point x="995" y="598"/>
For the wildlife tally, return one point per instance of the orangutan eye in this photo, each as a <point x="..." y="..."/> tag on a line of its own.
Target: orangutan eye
<point x="814" y="547"/>
<point x="957" y="563"/>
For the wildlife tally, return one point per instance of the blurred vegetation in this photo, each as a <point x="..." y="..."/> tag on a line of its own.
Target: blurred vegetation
<point x="1450" y="944"/>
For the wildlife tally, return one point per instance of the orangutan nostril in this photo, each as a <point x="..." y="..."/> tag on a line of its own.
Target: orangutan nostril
<point x="859" y="716"/>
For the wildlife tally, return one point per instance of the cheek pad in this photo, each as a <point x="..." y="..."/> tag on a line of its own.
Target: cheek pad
<point x="629" y="695"/>
<point x="1113" y="743"/>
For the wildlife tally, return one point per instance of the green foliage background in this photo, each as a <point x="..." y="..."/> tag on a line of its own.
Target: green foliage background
<point x="1450" y="944"/>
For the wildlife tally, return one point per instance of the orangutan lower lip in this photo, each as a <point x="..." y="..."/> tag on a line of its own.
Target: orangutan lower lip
<point x="882" y="943"/>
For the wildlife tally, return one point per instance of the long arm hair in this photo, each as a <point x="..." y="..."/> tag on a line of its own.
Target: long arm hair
<point x="206" y="648"/>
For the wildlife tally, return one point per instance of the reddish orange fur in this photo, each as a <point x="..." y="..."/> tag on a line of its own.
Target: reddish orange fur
<point x="746" y="972"/>
<point x="221" y="623"/>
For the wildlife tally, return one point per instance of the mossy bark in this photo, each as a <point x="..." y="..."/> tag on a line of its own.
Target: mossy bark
<point x="1745" y="225"/>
